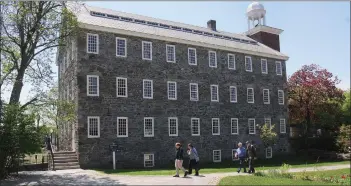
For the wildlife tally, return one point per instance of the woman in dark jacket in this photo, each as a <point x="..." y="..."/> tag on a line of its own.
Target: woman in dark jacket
<point x="179" y="160"/>
<point x="251" y="155"/>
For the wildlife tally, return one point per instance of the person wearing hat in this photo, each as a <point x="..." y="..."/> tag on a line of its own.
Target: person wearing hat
<point x="179" y="160"/>
<point x="251" y="155"/>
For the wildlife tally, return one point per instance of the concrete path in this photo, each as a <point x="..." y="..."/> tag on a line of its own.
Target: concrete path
<point x="89" y="177"/>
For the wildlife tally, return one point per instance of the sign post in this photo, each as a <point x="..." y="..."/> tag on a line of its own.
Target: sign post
<point x="113" y="148"/>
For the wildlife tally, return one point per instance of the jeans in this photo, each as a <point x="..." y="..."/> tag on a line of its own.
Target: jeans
<point x="251" y="166"/>
<point x="242" y="164"/>
<point x="179" y="165"/>
<point x="195" y="165"/>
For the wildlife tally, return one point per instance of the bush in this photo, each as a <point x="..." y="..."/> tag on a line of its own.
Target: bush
<point x="343" y="138"/>
<point x="282" y="172"/>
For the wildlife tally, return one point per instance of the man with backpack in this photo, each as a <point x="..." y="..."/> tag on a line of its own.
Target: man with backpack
<point x="251" y="155"/>
<point x="241" y="154"/>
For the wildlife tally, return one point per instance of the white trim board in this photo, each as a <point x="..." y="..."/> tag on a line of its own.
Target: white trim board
<point x="177" y="40"/>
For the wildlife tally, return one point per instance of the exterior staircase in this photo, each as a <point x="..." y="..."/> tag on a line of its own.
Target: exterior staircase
<point x="65" y="160"/>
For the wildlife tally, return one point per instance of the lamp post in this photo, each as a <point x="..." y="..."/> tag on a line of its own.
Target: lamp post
<point x="114" y="149"/>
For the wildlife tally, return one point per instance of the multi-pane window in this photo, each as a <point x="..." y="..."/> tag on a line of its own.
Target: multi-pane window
<point x="248" y="64"/>
<point x="212" y="59"/>
<point x="233" y="94"/>
<point x="172" y="90"/>
<point x="122" y="127"/>
<point x="122" y="90"/>
<point x="192" y="59"/>
<point x="268" y="122"/>
<point x="214" y="93"/>
<point x="148" y="127"/>
<point x="147" y="50"/>
<point x="92" y="43"/>
<point x="216" y="129"/>
<point x="93" y="127"/>
<point x="149" y="160"/>
<point x="250" y="95"/>
<point x="231" y="61"/>
<point x="173" y="126"/>
<point x="170" y="51"/>
<point x="281" y="97"/>
<point x="269" y="152"/>
<point x="234" y="125"/>
<point x="92" y="85"/>
<point x="264" y="67"/>
<point x="252" y="126"/>
<point x="194" y="92"/>
<point x="217" y="156"/>
<point x="195" y="126"/>
<point x="278" y="68"/>
<point x="148" y="89"/>
<point x="266" y="99"/>
<point x="121" y="47"/>
<point x="282" y="126"/>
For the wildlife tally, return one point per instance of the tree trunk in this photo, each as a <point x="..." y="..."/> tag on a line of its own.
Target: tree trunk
<point x="17" y="87"/>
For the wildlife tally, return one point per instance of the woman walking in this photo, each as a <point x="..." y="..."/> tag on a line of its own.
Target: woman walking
<point x="194" y="160"/>
<point x="179" y="160"/>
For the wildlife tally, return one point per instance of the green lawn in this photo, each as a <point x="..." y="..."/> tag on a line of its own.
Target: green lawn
<point x="256" y="180"/>
<point x="221" y="167"/>
<point x="325" y="174"/>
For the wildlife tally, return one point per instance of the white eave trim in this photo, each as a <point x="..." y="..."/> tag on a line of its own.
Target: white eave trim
<point x="262" y="28"/>
<point x="177" y="40"/>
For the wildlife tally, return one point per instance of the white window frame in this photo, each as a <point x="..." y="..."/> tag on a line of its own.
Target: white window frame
<point x="142" y="50"/>
<point x="197" y="92"/>
<point x="152" y="89"/>
<point x="253" y="95"/>
<point x="117" y="86"/>
<point x="270" y="122"/>
<point x="281" y="98"/>
<point x="282" y="126"/>
<point x="254" y="124"/>
<point x="174" y="54"/>
<point x="268" y="96"/>
<point x="169" y="126"/>
<point x="97" y="43"/>
<point x="219" y="127"/>
<point x="229" y="66"/>
<point x="271" y="152"/>
<point x="153" y="160"/>
<point x="122" y="118"/>
<point x="233" y="96"/>
<point x="209" y="58"/>
<point x="233" y="155"/>
<point x="248" y="70"/>
<point x="125" y="47"/>
<point x="88" y="122"/>
<point x="190" y="56"/>
<point x="220" y="156"/>
<point x="279" y="73"/>
<point x="264" y="63"/>
<point x="175" y="90"/>
<point x="236" y="122"/>
<point x="97" y="85"/>
<point x="153" y="127"/>
<point x="191" y="125"/>
<point x="217" y="97"/>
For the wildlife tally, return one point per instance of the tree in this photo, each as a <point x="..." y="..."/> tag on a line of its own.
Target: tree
<point x="31" y="33"/>
<point x="346" y="108"/>
<point x="309" y="88"/>
<point x="267" y="135"/>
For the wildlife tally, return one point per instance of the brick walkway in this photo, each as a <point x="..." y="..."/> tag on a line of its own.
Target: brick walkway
<point x="89" y="177"/>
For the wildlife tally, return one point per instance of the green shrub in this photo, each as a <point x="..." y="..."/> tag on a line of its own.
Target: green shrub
<point x="282" y="172"/>
<point x="343" y="139"/>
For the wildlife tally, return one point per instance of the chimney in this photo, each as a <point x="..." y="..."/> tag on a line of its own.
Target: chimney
<point x="211" y="24"/>
<point x="266" y="35"/>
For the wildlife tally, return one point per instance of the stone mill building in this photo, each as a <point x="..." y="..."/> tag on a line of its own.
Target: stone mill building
<point x="144" y="84"/>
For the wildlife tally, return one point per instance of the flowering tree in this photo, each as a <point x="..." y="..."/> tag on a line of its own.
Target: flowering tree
<point x="267" y="135"/>
<point x="310" y="88"/>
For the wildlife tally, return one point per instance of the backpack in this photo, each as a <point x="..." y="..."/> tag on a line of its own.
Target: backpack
<point x="196" y="156"/>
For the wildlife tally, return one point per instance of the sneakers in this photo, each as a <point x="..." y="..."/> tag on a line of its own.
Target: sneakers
<point x="186" y="173"/>
<point x="176" y="176"/>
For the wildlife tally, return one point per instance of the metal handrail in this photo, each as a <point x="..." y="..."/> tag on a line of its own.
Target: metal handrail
<point x="52" y="156"/>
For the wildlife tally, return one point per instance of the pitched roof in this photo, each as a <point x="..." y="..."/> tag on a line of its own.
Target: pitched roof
<point x="131" y="24"/>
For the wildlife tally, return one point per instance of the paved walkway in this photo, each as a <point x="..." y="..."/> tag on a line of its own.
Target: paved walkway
<point x="89" y="177"/>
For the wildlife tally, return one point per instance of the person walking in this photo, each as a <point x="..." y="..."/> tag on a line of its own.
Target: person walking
<point x="179" y="160"/>
<point x="193" y="160"/>
<point x="241" y="154"/>
<point x="251" y="155"/>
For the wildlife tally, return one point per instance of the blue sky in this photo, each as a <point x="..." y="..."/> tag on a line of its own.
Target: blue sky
<point x="314" y="32"/>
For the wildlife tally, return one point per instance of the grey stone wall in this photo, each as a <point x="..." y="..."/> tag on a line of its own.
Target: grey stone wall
<point x="94" y="152"/>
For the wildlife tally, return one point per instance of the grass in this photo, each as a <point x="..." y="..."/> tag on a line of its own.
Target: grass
<point x="226" y="167"/>
<point x="249" y="180"/>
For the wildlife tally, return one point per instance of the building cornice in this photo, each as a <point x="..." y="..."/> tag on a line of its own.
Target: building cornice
<point x="263" y="28"/>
